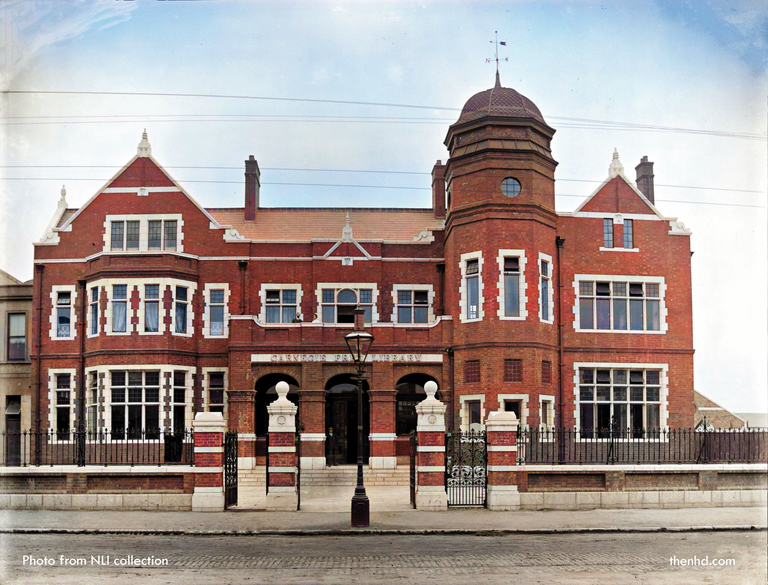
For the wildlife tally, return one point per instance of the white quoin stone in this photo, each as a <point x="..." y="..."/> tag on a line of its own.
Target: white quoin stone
<point x="431" y="411"/>
<point x="282" y="412"/>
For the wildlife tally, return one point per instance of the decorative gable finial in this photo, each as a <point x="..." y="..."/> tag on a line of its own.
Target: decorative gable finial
<point x="63" y="194"/>
<point x="144" y="149"/>
<point x="346" y="233"/>
<point x="616" y="167"/>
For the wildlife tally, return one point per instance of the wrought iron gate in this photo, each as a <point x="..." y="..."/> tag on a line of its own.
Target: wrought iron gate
<point x="230" y="469"/>
<point x="414" y="449"/>
<point x="466" y="468"/>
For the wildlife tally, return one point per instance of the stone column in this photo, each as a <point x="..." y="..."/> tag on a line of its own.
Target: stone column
<point x="241" y="418"/>
<point x="208" y="429"/>
<point x="382" y="438"/>
<point x="430" y="456"/>
<point x="281" y="453"/>
<point x="312" y="454"/>
<point x="501" y="434"/>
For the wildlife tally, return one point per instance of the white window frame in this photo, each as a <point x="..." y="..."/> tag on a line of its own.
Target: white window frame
<point x="523" y="399"/>
<point x="618" y="219"/>
<point x="191" y="290"/>
<point x="546" y="425"/>
<point x="354" y="286"/>
<point x="53" y="319"/>
<point x="52" y="406"/>
<point x="550" y="293"/>
<point x="207" y="309"/>
<point x="463" y="400"/>
<point x="206" y="391"/>
<point x="663" y="388"/>
<point x="412" y="288"/>
<point x="523" y="286"/>
<point x="463" y="290"/>
<point x="281" y="287"/>
<point x="128" y="310"/>
<point x="105" y="390"/>
<point x="141" y="312"/>
<point x="663" y="327"/>
<point x="143" y="220"/>
<point x="89" y="316"/>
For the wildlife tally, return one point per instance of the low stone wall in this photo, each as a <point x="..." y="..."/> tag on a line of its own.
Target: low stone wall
<point x="66" y="487"/>
<point x="583" y="487"/>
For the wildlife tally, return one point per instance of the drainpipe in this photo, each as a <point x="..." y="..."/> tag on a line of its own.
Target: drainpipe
<point x="243" y="265"/>
<point x="40" y="268"/>
<point x="80" y="394"/>
<point x="559" y="243"/>
<point x="449" y="395"/>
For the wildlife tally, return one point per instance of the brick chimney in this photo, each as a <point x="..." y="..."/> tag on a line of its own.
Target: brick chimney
<point x="645" y="178"/>
<point x="438" y="190"/>
<point x="252" y="185"/>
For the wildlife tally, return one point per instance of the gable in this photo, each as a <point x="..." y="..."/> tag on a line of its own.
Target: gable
<point x="142" y="172"/>
<point x="617" y="196"/>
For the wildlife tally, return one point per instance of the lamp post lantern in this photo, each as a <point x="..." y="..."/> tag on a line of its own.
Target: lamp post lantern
<point x="359" y="343"/>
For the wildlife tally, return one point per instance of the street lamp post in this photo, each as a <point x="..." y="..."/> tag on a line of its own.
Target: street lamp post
<point x="359" y="343"/>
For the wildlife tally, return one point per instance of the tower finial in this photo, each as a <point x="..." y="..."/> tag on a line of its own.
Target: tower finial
<point x="616" y="167"/>
<point x="144" y="148"/>
<point x="346" y="233"/>
<point x="63" y="194"/>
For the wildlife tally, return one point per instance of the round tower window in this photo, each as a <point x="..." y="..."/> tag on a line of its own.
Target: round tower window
<point x="510" y="187"/>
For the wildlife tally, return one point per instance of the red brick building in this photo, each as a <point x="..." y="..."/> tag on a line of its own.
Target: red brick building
<point x="149" y="307"/>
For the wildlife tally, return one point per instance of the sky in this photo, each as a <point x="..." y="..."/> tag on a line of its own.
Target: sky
<point x="347" y="104"/>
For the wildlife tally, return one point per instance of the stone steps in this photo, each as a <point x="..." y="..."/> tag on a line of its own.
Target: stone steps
<point x="338" y="475"/>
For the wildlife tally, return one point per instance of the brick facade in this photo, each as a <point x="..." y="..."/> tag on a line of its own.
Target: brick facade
<point x="249" y="296"/>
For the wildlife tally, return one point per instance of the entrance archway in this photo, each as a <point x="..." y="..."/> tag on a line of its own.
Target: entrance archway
<point x="341" y="420"/>
<point x="266" y="395"/>
<point x="410" y="391"/>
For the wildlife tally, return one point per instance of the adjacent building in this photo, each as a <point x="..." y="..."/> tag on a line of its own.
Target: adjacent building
<point x="153" y="308"/>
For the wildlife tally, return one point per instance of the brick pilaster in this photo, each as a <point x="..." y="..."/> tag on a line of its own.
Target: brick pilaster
<point x="501" y="435"/>
<point x="281" y="453"/>
<point x="208" y="428"/>
<point x="430" y="455"/>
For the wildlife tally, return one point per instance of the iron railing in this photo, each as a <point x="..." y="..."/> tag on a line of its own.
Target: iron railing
<point x="574" y="446"/>
<point x="104" y="447"/>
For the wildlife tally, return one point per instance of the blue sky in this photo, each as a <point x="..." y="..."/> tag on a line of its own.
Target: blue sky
<point x="675" y="65"/>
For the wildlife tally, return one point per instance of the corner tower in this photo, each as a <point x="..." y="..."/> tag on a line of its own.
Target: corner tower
<point x="500" y="255"/>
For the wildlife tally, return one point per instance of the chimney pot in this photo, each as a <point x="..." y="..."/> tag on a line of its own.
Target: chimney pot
<point x="252" y="185"/>
<point x="438" y="190"/>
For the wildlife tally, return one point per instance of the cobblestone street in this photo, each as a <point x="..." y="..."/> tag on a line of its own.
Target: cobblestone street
<point x="573" y="558"/>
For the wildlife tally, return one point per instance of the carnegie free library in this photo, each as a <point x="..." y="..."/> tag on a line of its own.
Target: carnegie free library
<point x="150" y="308"/>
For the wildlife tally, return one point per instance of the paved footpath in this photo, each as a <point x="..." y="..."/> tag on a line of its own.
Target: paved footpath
<point x="479" y="521"/>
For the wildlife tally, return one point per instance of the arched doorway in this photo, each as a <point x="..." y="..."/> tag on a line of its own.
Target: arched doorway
<point x="266" y="395"/>
<point x="410" y="391"/>
<point x="341" y="420"/>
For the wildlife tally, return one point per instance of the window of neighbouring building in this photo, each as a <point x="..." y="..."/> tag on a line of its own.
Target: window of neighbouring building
<point x="63" y="405"/>
<point x="64" y="314"/>
<point x="547" y="413"/>
<point x="92" y="401"/>
<point x="135" y="404"/>
<point x="620" y="400"/>
<point x="338" y="304"/>
<point x="119" y="308"/>
<point x="180" y="309"/>
<point x="179" y="401"/>
<point x="151" y="308"/>
<point x="513" y="370"/>
<point x="472" y="371"/>
<point x="94" y="312"/>
<point x="142" y="233"/>
<point x="17" y="336"/>
<point x="620" y="303"/>
<point x="472" y="412"/>
<point x="473" y="290"/>
<point x="608" y="233"/>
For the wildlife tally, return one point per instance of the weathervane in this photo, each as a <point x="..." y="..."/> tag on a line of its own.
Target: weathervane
<point x="497" y="42"/>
